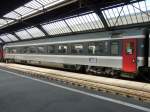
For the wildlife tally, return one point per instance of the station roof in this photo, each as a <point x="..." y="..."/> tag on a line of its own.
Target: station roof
<point x="33" y="19"/>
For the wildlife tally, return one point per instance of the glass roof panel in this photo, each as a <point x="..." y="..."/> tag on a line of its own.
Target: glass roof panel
<point x="129" y="14"/>
<point x="3" y="22"/>
<point x="12" y="37"/>
<point x="5" y="38"/>
<point x="44" y="2"/>
<point x="52" y="2"/>
<point x="33" y="4"/>
<point x="30" y="8"/>
<point x="13" y="15"/>
<point x="54" y="28"/>
<point x="35" y="32"/>
<point x="23" y="34"/>
<point x="24" y="11"/>
<point x="85" y="22"/>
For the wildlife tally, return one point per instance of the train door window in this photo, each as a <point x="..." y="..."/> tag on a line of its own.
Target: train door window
<point x="91" y="49"/>
<point x="114" y="48"/>
<point x="77" y="49"/>
<point x="41" y="49"/>
<point x="62" y="49"/>
<point x="51" y="49"/>
<point x="129" y="48"/>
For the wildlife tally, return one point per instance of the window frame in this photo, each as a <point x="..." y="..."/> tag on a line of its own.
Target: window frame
<point x="118" y="49"/>
<point x="77" y="53"/>
<point x="63" y="47"/>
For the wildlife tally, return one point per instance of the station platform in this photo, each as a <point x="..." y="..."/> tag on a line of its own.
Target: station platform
<point x="25" y="94"/>
<point x="138" y="90"/>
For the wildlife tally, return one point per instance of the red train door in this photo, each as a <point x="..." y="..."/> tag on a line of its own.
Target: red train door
<point x="129" y="55"/>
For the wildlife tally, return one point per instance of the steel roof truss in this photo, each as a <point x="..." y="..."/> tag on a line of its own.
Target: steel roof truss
<point x="41" y="28"/>
<point x="101" y="16"/>
<point x="16" y="36"/>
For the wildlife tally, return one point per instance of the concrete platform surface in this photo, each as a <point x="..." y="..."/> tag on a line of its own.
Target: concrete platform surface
<point x="24" y="94"/>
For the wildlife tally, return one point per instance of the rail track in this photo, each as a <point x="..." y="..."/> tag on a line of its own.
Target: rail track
<point x="137" y="90"/>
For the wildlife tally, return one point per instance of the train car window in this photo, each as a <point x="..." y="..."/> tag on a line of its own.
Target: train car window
<point x="77" y="49"/>
<point x="99" y="48"/>
<point x="25" y="50"/>
<point x="21" y="50"/>
<point x="106" y="47"/>
<point x="129" y="48"/>
<point x="7" y="50"/>
<point x="13" y="50"/>
<point x="114" y="48"/>
<point x="62" y="49"/>
<point x="51" y="49"/>
<point x="32" y="50"/>
<point x="41" y="49"/>
<point x="91" y="49"/>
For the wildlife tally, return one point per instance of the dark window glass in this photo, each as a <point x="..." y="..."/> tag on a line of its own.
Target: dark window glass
<point x="21" y="50"/>
<point x="25" y="50"/>
<point x="51" y="49"/>
<point x="92" y="49"/>
<point x="7" y="50"/>
<point x="32" y="50"/>
<point x="12" y="50"/>
<point x="41" y="49"/>
<point x="106" y="47"/>
<point x="29" y="50"/>
<point x="18" y="50"/>
<point x="77" y="49"/>
<point x="115" y="48"/>
<point x="62" y="49"/>
<point x="102" y="48"/>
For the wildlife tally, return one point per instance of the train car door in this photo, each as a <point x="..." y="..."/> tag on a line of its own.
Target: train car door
<point x="129" y="55"/>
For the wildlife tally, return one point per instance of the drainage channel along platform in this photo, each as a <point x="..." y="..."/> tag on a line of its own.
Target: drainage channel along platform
<point x="138" y="90"/>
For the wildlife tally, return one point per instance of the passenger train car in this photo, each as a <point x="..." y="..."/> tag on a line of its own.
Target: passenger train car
<point x="112" y="53"/>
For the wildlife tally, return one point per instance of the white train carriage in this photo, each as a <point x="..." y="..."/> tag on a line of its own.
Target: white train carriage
<point x="95" y="52"/>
